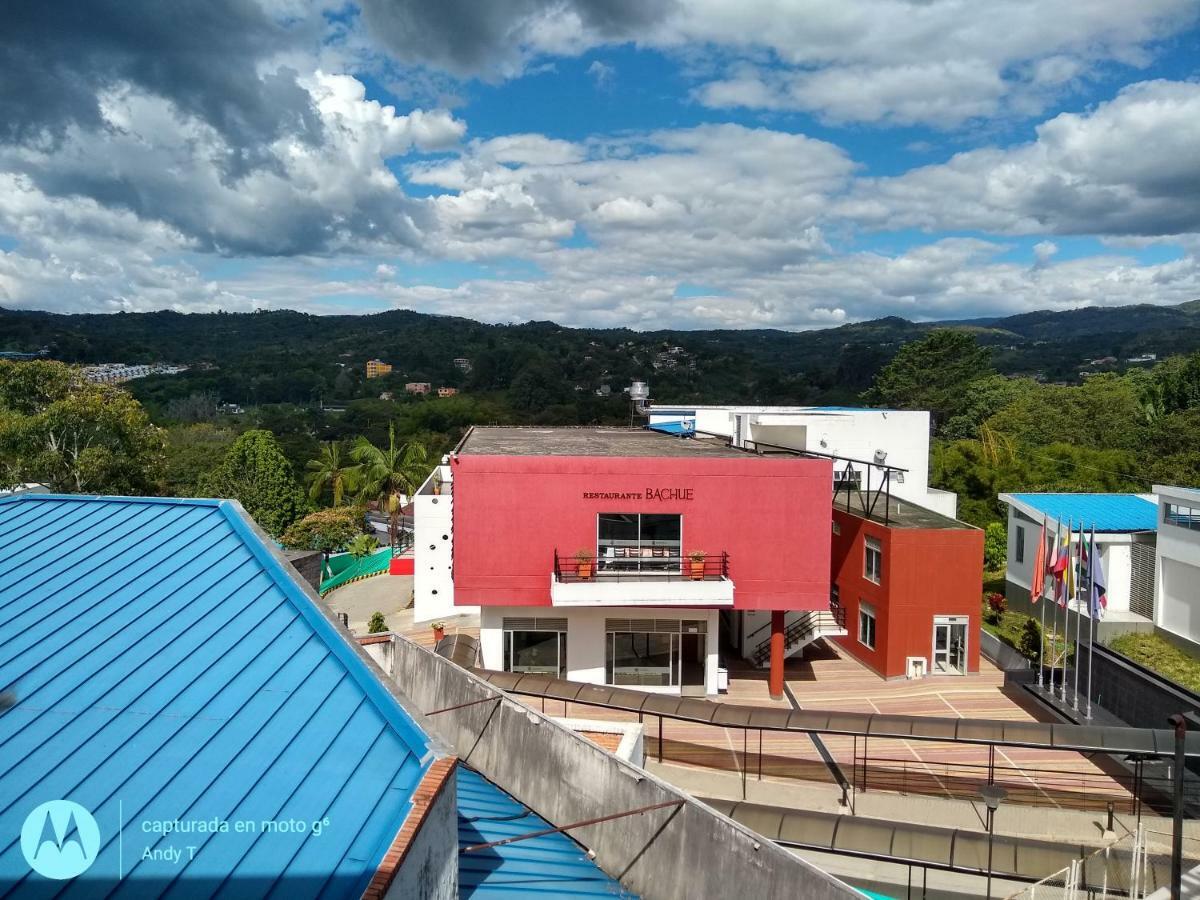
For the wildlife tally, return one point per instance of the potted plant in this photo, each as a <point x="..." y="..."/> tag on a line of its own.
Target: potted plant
<point x="583" y="564"/>
<point x="439" y="631"/>
<point x="697" y="558"/>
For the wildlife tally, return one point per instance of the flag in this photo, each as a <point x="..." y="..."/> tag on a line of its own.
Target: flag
<point x="1099" y="593"/>
<point x="1037" y="582"/>
<point x="1062" y="567"/>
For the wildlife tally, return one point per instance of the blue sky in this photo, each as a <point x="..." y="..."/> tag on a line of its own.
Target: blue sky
<point x="771" y="163"/>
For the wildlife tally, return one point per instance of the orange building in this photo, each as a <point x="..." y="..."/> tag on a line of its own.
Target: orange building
<point x="447" y="391"/>
<point x="377" y="368"/>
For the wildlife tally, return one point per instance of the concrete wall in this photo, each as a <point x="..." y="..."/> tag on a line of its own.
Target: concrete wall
<point x="586" y="651"/>
<point x="1177" y="569"/>
<point x="1107" y="628"/>
<point x="307" y="563"/>
<point x="427" y="871"/>
<point x="1132" y="693"/>
<point x="685" y="852"/>
<point x="433" y="552"/>
<point x="1000" y="654"/>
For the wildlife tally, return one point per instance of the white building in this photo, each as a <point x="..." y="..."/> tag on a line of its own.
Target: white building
<point x="1125" y="526"/>
<point x="1177" y="558"/>
<point x="897" y="438"/>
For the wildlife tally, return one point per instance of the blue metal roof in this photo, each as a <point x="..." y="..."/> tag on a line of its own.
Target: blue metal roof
<point x="1104" y="512"/>
<point x="167" y="669"/>
<point x="552" y="865"/>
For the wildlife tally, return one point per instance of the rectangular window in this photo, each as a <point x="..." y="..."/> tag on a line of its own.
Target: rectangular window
<point x="643" y="542"/>
<point x="536" y="647"/>
<point x="642" y="659"/>
<point x="837" y="529"/>
<point x="866" y="624"/>
<point x="873" y="560"/>
<point x="1019" y="545"/>
<point x="1181" y="516"/>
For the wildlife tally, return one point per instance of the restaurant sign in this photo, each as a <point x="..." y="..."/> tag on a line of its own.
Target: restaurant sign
<point x="650" y="493"/>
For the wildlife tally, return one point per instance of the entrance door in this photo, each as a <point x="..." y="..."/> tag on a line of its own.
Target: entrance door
<point x="949" y="645"/>
<point x="693" y="652"/>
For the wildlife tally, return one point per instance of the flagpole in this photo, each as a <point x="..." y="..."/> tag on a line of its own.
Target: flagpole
<point x="1094" y="563"/>
<point x="1066" y="604"/>
<point x="1054" y="633"/>
<point x="1078" y="615"/>
<point x="1042" y="635"/>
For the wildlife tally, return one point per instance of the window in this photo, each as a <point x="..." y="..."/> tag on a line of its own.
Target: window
<point x="1181" y="516"/>
<point x="847" y="479"/>
<point x="536" y="646"/>
<point x="1019" y="545"/>
<point x="873" y="560"/>
<point x="866" y="624"/>
<point x="654" y="652"/>
<point x="837" y="529"/>
<point x="644" y="542"/>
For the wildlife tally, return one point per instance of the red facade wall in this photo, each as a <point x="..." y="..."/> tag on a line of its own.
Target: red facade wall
<point x="926" y="572"/>
<point x="770" y="515"/>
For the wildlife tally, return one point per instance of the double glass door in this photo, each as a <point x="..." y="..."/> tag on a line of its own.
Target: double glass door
<point x="950" y="645"/>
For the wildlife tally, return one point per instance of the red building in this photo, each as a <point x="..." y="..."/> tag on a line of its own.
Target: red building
<point x="630" y="557"/>
<point x="911" y="589"/>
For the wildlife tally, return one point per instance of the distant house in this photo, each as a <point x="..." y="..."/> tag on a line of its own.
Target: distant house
<point x="447" y="391"/>
<point x="418" y="387"/>
<point x="463" y="364"/>
<point x="377" y="368"/>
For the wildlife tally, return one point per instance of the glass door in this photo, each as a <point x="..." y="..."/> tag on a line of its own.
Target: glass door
<point x="949" y="645"/>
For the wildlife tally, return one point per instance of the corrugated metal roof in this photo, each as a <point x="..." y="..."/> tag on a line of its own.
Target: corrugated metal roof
<point x="552" y="865"/>
<point x="681" y="426"/>
<point x="167" y="667"/>
<point x="1106" y="512"/>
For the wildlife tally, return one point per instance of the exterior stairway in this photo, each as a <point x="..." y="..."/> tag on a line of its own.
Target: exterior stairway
<point x="801" y="628"/>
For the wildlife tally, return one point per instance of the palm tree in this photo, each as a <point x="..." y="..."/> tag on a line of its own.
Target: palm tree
<point x="386" y="473"/>
<point x="330" y="471"/>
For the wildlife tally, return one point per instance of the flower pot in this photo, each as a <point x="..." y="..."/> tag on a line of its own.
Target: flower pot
<point x="697" y="570"/>
<point x="585" y="571"/>
<point x="438" y="634"/>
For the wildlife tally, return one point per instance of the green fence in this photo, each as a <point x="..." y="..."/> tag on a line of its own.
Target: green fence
<point x="341" y="570"/>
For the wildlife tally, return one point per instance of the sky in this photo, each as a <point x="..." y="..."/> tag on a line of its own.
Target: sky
<point x="787" y="164"/>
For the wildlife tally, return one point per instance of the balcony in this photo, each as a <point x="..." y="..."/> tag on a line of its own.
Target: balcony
<point x="647" y="580"/>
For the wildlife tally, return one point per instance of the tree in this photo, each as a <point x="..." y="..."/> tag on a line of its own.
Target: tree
<point x="75" y="436"/>
<point x="257" y="474"/>
<point x="377" y="624"/>
<point x="995" y="547"/>
<point x="363" y="545"/>
<point x="198" y="406"/>
<point x="192" y="452"/>
<point x="931" y="374"/>
<point x="327" y="530"/>
<point x="386" y="474"/>
<point x="329" y="471"/>
<point x="1031" y="640"/>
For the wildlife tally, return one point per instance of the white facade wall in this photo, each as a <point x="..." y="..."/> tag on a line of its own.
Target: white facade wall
<point x="854" y="433"/>
<point x="1177" y="568"/>
<point x="433" y="552"/>
<point x="586" y="638"/>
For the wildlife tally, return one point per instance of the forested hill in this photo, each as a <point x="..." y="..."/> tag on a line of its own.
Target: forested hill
<point x="293" y="357"/>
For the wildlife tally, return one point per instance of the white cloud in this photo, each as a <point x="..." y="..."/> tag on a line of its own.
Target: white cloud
<point x="1128" y="167"/>
<point x="601" y="73"/>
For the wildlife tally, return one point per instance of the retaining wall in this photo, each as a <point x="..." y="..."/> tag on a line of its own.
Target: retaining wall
<point x="688" y="851"/>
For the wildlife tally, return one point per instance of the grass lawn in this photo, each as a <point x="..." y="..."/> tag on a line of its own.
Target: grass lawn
<point x="1161" y="656"/>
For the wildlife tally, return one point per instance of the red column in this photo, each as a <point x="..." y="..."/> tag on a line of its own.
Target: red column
<point x="775" y="680"/>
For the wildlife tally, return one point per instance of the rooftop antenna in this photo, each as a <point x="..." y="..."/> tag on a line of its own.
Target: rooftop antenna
<point x="639" y="400"/>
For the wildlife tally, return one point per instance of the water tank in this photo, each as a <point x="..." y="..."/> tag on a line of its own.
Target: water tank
<point x="639" y="392"/>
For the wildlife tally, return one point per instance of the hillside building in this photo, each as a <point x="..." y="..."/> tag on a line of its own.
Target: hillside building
<point x="417" y="387"/>
<point x="447" y="391"/>
<point x="377" y="368"/>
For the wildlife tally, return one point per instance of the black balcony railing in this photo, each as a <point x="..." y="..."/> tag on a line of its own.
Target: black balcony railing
<point x="695" y="567"/>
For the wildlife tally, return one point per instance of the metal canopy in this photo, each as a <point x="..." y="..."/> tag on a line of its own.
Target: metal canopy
<point x="927" y="845"/>
<point x="995" y="732"/>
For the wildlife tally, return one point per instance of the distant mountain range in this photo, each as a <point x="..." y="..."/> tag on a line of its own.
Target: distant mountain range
<point x="1053" y="344"/>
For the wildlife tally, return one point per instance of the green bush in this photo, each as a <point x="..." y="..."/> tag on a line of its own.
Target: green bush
<point x="377" y="624"/>
<point x="363" y="545"/>
<point x="327" y="530"/>
<point x="1161" y="656"/>
<point x="1030" y="642"/>
<point x="995" y="547"/>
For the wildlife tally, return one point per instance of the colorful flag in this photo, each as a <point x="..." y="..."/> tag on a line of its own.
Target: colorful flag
<point x="1037" y="581"/>
<point x="1099" y="593"/>
<point x="1062" y="567"/>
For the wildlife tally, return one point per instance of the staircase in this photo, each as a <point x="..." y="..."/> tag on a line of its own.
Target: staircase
<point x="802" y="628"/>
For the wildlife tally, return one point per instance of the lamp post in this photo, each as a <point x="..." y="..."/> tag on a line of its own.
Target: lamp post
<point x="1179" y="723"/>
<point x="992" y="794"/>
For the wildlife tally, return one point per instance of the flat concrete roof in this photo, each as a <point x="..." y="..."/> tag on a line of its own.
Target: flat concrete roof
<point x="497" y="440"/>
<point x="901" y="513"/>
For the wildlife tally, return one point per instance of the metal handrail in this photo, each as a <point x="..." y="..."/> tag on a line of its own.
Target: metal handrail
<point x="807" y="624"/>
<point x="711" y="567"/>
